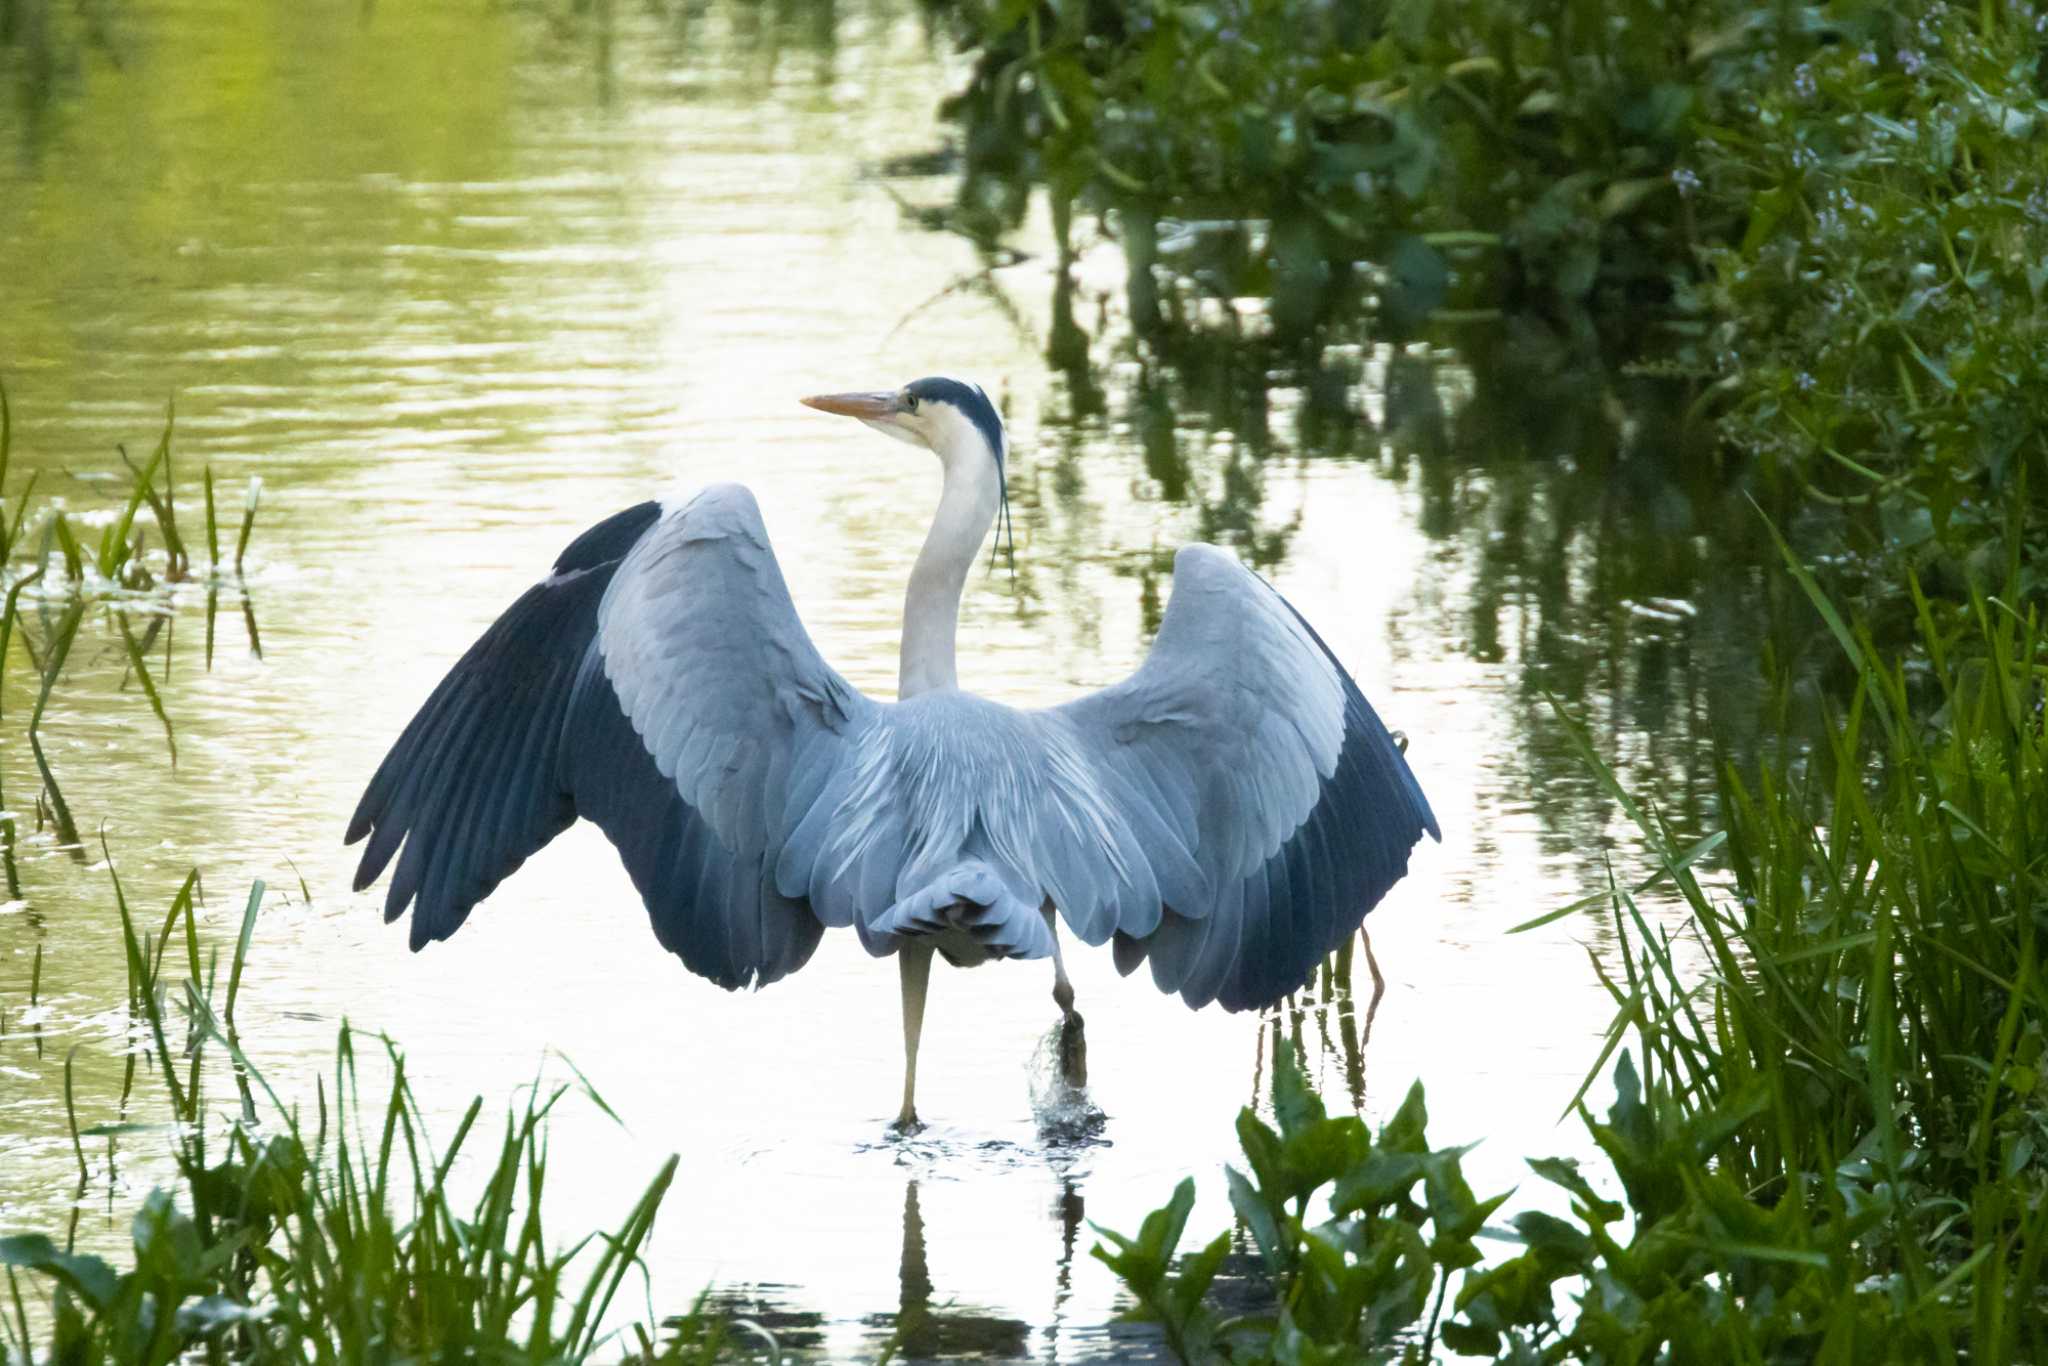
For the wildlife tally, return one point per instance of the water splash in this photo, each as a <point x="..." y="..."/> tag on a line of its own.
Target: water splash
<point x="1062" y="1107"/>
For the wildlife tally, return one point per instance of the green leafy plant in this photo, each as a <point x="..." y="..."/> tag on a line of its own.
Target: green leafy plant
<point x="1878" y="325"/>
<point x="1401" y="1219"/>
<point x="1326" y="156"/>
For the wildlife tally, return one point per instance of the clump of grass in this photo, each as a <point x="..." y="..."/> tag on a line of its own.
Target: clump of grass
<point x="111" y="580"/>
<point x="339" y="1239"/>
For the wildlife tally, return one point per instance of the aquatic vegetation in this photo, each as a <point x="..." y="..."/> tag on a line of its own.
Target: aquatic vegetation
<point x="1876" y="329"/>
<point x="1329" y="157"/>
<point x="1837" y="1145"/>
<point x="1823" y="225"/>
<point x="113" y="578"/>
<point x="340" y="1237"/>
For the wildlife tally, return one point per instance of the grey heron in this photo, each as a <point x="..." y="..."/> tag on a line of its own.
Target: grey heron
<point x="1229" y="812"/>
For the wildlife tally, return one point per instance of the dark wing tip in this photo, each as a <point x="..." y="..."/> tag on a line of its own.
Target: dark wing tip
<point x="608" y="541"/>
<point x="470" y="788"/>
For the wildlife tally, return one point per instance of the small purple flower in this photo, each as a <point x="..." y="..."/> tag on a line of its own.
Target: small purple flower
<point x="1804" y="158"/>
<point x="1867" y="57"/>
<point x="1686" y="179"/>
<point x="1226" y="35"/>
<point x="1805" y="382"/>
<point x="2037" y="206"/>
<point x="1829" y="222"/>
<point x="1803" y="83"/>
<point x="1911" y="61"/>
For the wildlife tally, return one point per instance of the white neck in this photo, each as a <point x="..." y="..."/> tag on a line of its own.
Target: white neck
<point x="931" y="607"/>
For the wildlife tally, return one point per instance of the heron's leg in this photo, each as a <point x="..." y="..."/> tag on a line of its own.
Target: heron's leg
<point x="1073" y="1042"/>
<point x="1062" y="989"/>
<point x="914" y="965"/>
<point x="1372" y="965"/>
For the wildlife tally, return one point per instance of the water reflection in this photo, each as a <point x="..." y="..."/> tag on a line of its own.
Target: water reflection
<point x="923" y="1329"/>
<point x="1327" y="1029"/>
<point x="930" y="1323"/>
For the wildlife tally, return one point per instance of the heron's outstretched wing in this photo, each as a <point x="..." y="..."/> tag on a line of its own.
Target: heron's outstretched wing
<point x="658" y="683"/>
<point x="473" y="784"/>
<point x="1230" y="811"/>
<point x="1243" y="736"/>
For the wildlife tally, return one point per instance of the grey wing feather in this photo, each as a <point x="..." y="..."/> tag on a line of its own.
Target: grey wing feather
<point x="658" y="684"/>
<point x="701" y="649"/>
<point x="1250" y="746"/>
<point x="703" y="646"/>
<point x="473" y="785"/>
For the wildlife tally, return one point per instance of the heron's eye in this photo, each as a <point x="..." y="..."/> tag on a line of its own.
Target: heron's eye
<point x="910" y="402"/>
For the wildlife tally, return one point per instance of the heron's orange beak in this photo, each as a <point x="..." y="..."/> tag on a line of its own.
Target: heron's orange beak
<point x="878" y="407"/>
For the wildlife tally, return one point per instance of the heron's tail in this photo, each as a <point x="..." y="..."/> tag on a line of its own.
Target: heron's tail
<point x="971" y="914"/>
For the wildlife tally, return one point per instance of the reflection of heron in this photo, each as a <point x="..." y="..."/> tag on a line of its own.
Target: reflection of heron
<point x="1230" y="811"/>
<point x="946" y="1331"/>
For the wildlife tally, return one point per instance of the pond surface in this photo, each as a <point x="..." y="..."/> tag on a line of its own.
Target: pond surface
<point x="456" y="282"/>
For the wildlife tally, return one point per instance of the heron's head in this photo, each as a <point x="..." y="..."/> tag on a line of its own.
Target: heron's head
<point x="950" y="417"/>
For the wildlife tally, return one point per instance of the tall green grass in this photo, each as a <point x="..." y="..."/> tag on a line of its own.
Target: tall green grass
<point x="1872" y="1026"/>
<point x="339" y="1236"/>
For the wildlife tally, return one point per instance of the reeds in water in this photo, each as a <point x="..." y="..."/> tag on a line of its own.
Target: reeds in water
<point x="346" y="1237"/>
<point x="111" y="580"/>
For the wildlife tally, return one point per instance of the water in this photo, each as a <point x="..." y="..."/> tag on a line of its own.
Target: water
<point x="457" y="282"/>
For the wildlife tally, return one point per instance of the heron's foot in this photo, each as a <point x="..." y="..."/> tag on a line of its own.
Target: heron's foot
<point x="1063" y="997"/>
<point x="907" y="1124"/>
<point x="1059" y="1085"/>
<point x="1073" y="1047"/>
